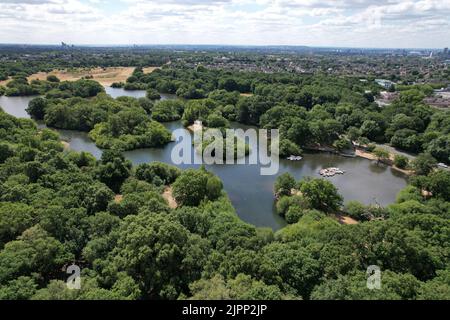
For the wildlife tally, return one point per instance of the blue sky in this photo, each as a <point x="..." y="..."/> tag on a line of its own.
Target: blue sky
<point x="344" y="23"/>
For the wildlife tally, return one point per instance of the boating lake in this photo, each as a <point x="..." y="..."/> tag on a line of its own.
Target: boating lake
<point x="250" y="192"/>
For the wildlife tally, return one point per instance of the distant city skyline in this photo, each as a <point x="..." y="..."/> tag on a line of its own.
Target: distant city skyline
<point x="316" y="23"/>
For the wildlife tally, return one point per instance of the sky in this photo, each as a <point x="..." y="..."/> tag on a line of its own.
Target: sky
<point x="328" y="23"/>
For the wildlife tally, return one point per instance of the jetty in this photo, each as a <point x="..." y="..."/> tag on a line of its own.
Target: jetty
<point x="330" y="172"/>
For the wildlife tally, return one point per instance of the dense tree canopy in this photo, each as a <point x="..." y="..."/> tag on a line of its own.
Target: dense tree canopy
<point x="59" y="207"/>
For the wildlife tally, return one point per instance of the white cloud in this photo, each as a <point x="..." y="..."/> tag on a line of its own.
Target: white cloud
<point x="384" y="23"/>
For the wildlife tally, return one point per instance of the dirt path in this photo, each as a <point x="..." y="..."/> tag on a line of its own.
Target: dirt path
<point x="167" y="194"/>
<point x="118" y="198"/>
<point x="345" y="219"/>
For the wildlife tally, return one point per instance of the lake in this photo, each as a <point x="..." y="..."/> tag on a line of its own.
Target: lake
<point x="251" y="193"/>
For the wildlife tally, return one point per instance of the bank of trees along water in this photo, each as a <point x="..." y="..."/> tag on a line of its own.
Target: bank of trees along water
<point x="61" y="207"/>
<point x="310" y="110"/>
<point x="122" y="123"/>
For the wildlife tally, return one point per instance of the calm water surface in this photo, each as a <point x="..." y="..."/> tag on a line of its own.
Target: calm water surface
<point x="251" y="193"/>
<point x="120" y="92"/>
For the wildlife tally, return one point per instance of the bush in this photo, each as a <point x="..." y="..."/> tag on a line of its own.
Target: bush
<point x="355" y="209"/>
<point x="423" y="164"/>
<point x="36" y="108"/>
<point x="342" y="144"/>
<point x="213" y="188"/>
<point x="370" y="147"/>
<point x="216" y="121"/>
<point x="149" y="171"/>
<point x="401" y="161"/>
<point x="117" y="85"/>
<point x="5" y="152"/>
<point x="152" y="94"/>
<point x="381" y="154"/>
<point x="52" y="78"/>
<point x="284" y="203"/>
<point x="289" y="148"/>
<point x="284" y="184"/>
<point x="322" y="194"/>
<point x="128" y="130"/>
<point x="294" y="214"/>
<point x="194" y="186"/>
<point x="167" y="110"/>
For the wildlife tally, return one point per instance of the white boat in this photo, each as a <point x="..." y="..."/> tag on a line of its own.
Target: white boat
<point x="330" y="172"/>
<point x="294" y="158"/>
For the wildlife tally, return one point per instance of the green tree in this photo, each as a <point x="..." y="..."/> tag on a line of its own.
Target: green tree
<point x="33" y="252"/>
<point x="401" y="161"/>
<point x="322" y="194"/>
<point x="354" y="287"/>
<point x="37" y="107"/>
<point x="436" y="289"/>
<point x="152" y="94"/>
<point x="423" y="164"/>
<point x="284" y="184"/>
<point x="14" y="219"/>
<point x="113" y="169"/>
<point x="158" y="253"/>
<point x="52" y="78"/>
<point x="190" y="187"/>
<point x="22" y="288"/>
<point x="213" y="188"/>
<point x="381" y="154"/>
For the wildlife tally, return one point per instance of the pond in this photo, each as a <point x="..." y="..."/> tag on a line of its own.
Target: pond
<point x="251" y="193"/>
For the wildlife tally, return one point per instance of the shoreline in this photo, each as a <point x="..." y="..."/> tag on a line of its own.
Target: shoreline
<point x="360" y="153"/>
<point x="370" y="156"/>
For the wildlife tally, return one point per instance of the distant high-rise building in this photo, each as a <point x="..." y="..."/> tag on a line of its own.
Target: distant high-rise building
<point x="446" y="51"/>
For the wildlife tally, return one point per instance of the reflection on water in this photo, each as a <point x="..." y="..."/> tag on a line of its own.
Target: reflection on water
<point x="80" y="141"/>
<point x="15" y="105"/>
<point x="120" y="92"/>
<point x="251" y="193"/>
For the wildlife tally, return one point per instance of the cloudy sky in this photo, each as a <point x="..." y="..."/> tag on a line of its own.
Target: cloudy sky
<point x="344" y="23"/>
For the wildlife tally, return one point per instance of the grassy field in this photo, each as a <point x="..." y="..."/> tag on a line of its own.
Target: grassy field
<point x="105" y="76"/>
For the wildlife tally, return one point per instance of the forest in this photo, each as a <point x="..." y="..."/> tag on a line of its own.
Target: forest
<point x="59" y="207"/>
<point x="310" y="111"/>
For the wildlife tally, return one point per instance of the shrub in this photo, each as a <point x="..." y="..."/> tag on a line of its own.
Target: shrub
<point x="401" y="161"/>
<point x="284" y="184"/>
